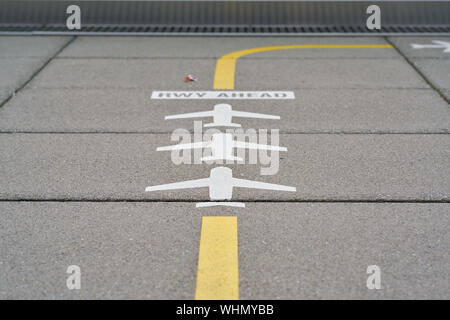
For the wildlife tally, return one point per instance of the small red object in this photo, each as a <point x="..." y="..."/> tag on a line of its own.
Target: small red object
<point x="190" y="78"/>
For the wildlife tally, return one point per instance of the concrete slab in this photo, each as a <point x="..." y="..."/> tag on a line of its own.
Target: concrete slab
<point x="435" y="70"/>
<point x="432" y="62"/>
<point x="286" y="250"/>
<point x="30" y="47"/>
<point x="21" y="57"/>
<point x="4" y="94"/>
<point x="132" y="110"/>
<point x="258" y="74"/>
<point x="15" y="72"/>
<point x="209" y="47"/>
<point x="446" y="93"/>
<point x="323" y="73"/>
<point x="321" y="167"/>
<point x="322" y="251"/>
<point x="155" y="74"/>
<point x="404" y="45"/>
<point x="124" y="251"/>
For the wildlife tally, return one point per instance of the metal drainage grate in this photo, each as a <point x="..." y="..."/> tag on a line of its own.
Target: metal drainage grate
<point x="221" y="29"/>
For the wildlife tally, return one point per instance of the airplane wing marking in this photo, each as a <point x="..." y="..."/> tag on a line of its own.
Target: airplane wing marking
<point x="241" y="183"/>
<point x="191" y="115"/>
<point x="247" y="145"/>
<point x="253" y="115"/>
<point x="184" y="146"/>
<point x="199" y="183"/>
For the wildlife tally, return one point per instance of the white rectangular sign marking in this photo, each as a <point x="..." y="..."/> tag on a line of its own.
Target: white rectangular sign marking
<point x="217" y="95"/>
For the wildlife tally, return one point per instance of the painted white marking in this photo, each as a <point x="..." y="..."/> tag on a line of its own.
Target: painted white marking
<point x="220" y="183"/>
<point x="438" y="45"/>
<point x="222" y="145"/>
<point x="222" y="116"/>
<point x="216" y="95"/>
<point x="224" y="204"/>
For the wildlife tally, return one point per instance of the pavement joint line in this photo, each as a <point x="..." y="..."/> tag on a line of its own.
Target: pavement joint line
<point x="15" y="91"/>
<point x="230" y="34"/>
<point x="306" y="200"/>
<point x="224" y="76"/>
<point x="294" y="88"/>
<point x="93" y="88"/>
<point x="218" y="271"/>
<point x="215" y="58"/>
<point x="443" y="132"/>
<point x="419" y="71"/>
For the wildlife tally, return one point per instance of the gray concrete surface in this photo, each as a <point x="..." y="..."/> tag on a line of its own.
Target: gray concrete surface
<point x="321" y="167"/>
<point x="431" y="62"/>
<point x="124" y="250"/>
<point x="404" y="45"/>
<point x="210" y="47"/>
<point x="436" y="71"/>
<point x="254" y="74"/>
<point x="21" y="57"/>
<point x="324" y="73"/>
<point x="15" y="72"/>
<point x="364" y="127"/>
<point x="30" y="47"/>
<point x="132" y="110"/>
<point x="325" y="250"/>
<point x="4" y="94"/>
<point x="160" y="74"/>
<point x="149" y="250"/>
<point x="446" y="93"/>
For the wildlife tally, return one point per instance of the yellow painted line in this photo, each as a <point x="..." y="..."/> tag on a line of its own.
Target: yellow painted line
<point x="226" y="65"/>
<point x="218" y="274"/>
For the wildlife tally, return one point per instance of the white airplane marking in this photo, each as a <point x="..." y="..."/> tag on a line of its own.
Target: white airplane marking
<point x="222" y="116"/>
<point x="220" y="183"/>
<point x="222" y="145"/>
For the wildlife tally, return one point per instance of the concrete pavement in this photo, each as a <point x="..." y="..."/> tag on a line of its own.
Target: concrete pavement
<point x="431" y="62"/>
<point x="321" y="167"/>
<point x="21" y="57"/>
<point x="215" y="47"/>
<point x="286" y="250"/>
<point x="79" y="147"/>
<point x="293" y="74"/>
<point x="314" y="111"/>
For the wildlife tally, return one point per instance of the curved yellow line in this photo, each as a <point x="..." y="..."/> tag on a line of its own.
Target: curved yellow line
<point x="226" y="65"/>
